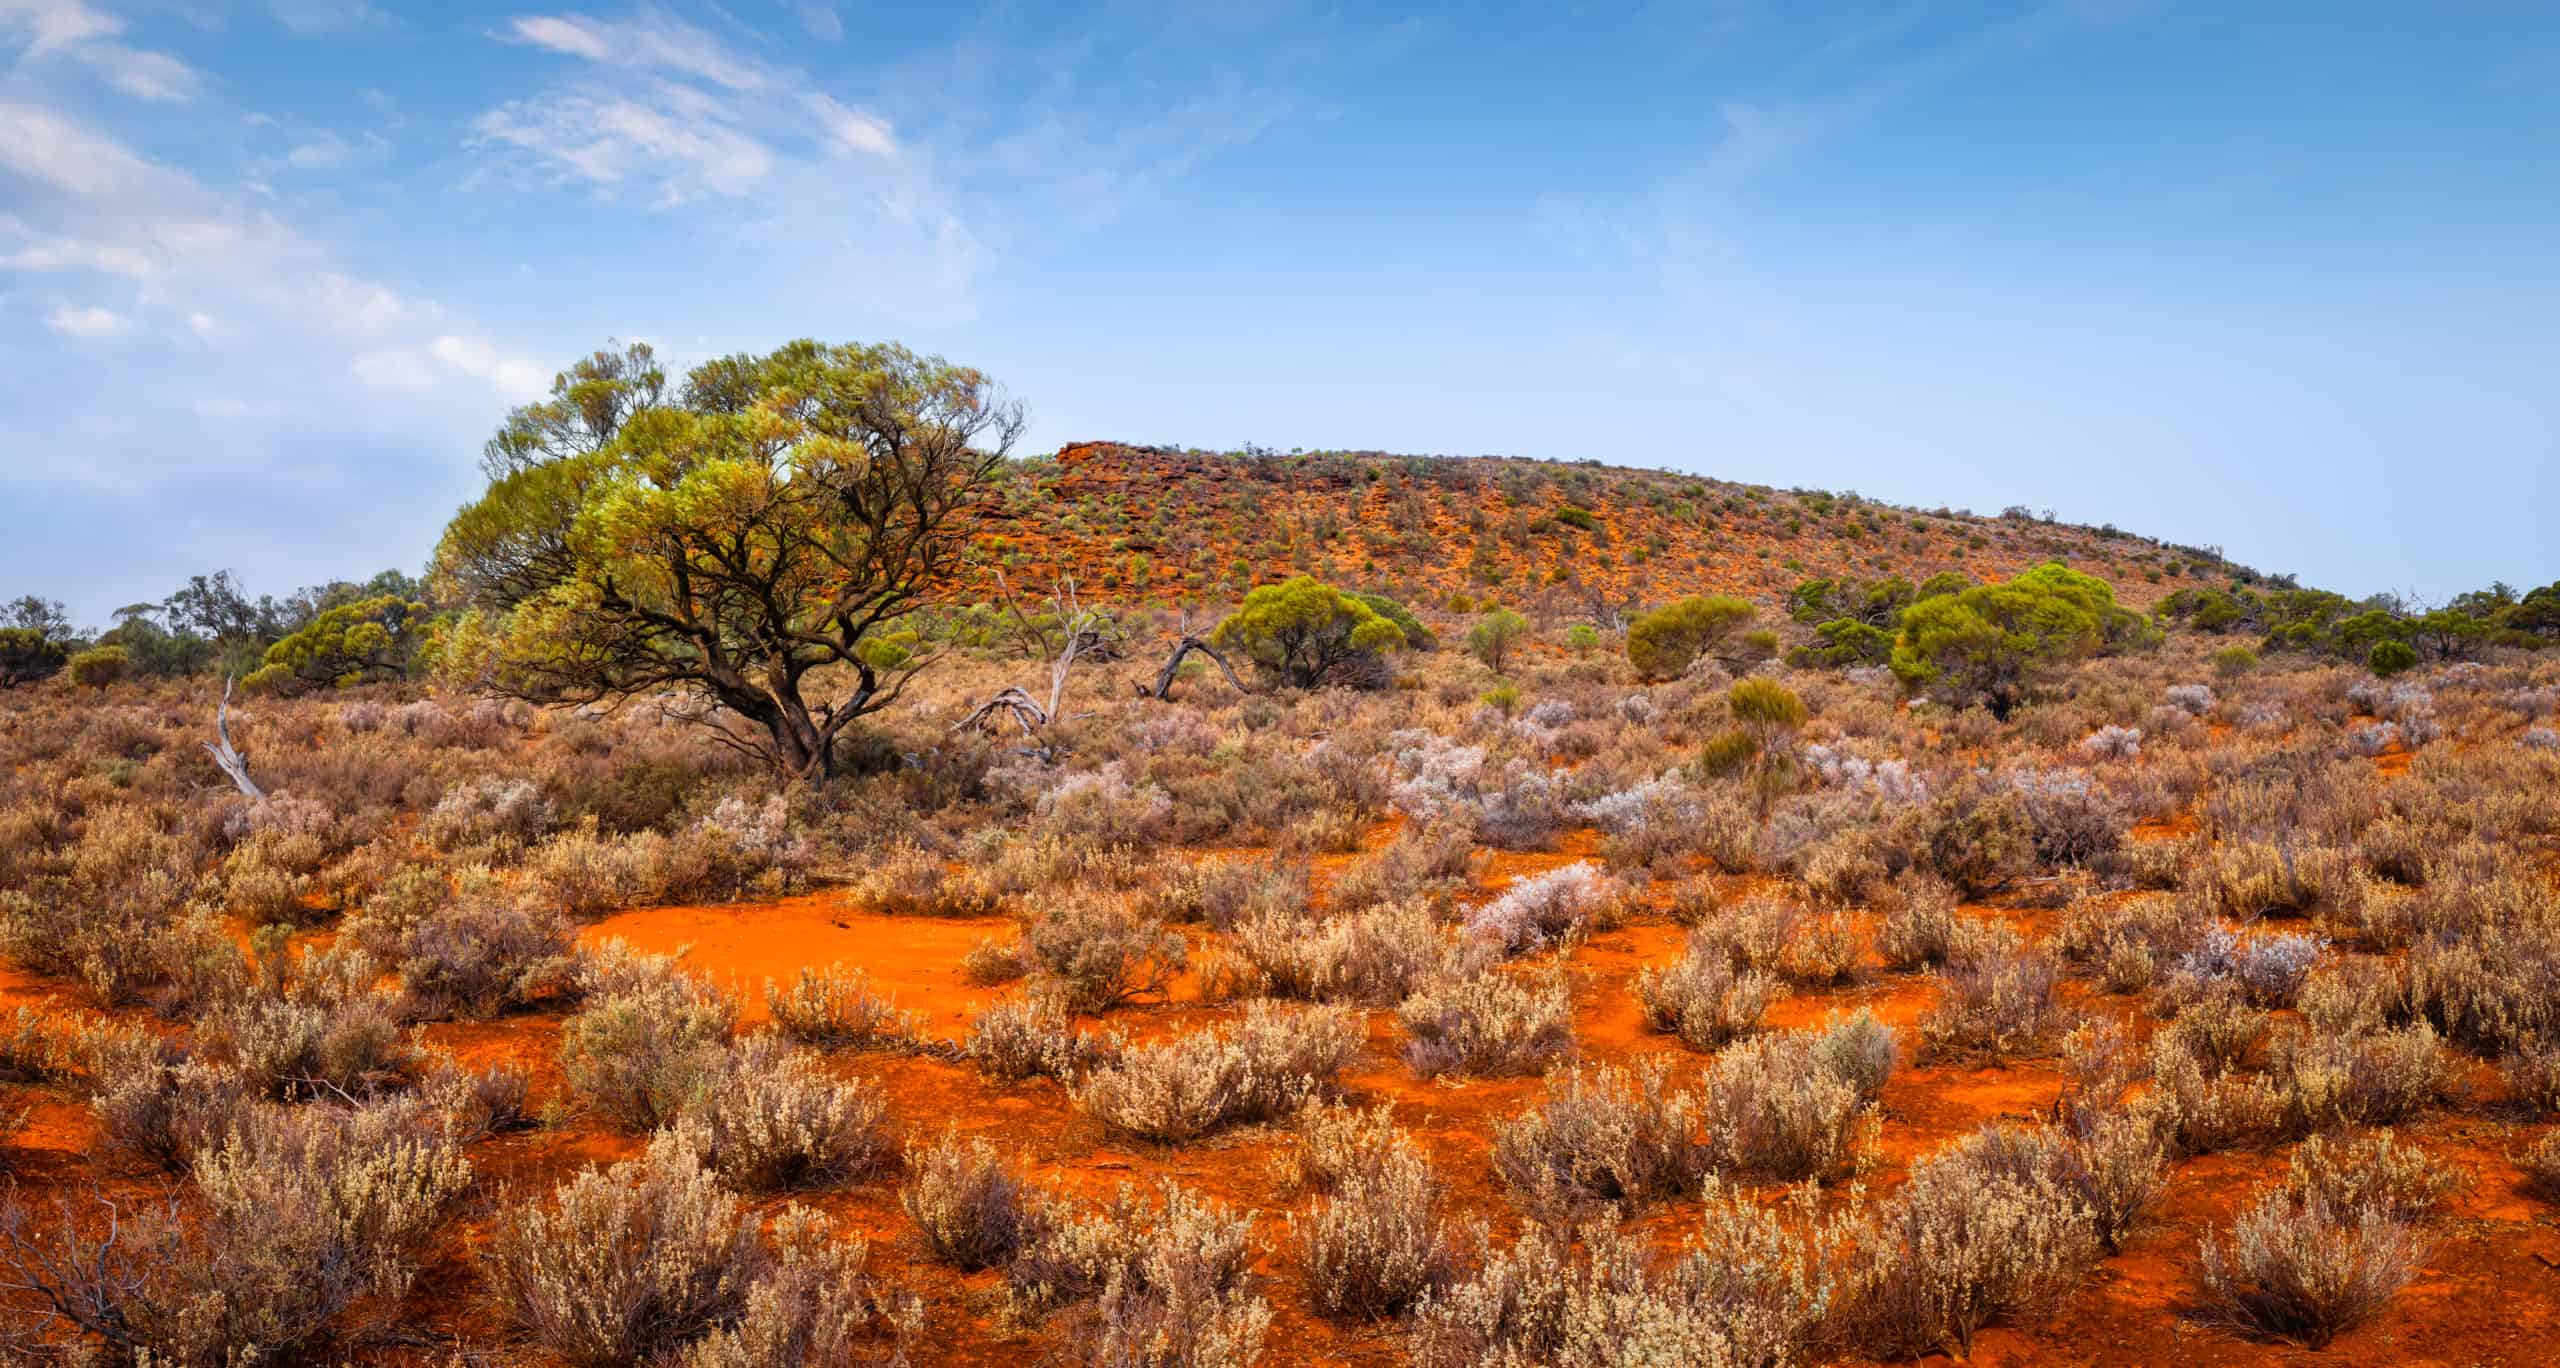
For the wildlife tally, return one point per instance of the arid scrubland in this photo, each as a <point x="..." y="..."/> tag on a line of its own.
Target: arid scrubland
<point x="717" y="918"/>
<point x="2170" y="1015"/>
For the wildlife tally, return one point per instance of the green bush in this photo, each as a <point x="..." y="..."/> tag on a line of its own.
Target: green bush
<point x="1727" y="754"/>
<point x="349" y="644"/>
<point x="1765" y="704"/>
<point x="1494" y="634"/>
<point x="1842" y="643"/>
<point x="98" y="667"/>
<point x="1665" y="642"/>
<point x="1416" y="635"/>
<point x="2233" y="661"/>
<point x="2387" y="658"/>
<point x="1309" y="633"/>
<point x="27" y="655"/>
<point x="1582" y="637"/>
<point x="1582" y="518"/>
<point x="1991" y="644"/>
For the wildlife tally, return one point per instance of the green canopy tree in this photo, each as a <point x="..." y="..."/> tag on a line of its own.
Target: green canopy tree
<point x="1666" y="641"/>
<point x="589" y="403"/>
<point x="369" y="639"/>
<point x="1307" y="632"/>
<point x="28" y="655"/>
<point x="1992" y="643"/>
<point x="769" y="534"/>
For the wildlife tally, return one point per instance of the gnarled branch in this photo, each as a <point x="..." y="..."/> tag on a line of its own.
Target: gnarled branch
<point x="233" y="763"/>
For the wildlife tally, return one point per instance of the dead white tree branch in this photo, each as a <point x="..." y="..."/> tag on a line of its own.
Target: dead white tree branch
<point x="233" y="763"/>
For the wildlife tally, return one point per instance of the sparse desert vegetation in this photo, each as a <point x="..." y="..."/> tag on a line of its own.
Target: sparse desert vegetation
<point x="1465" y="912"/>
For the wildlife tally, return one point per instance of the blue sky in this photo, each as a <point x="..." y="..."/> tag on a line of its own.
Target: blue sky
<point x="2280" y="278"/>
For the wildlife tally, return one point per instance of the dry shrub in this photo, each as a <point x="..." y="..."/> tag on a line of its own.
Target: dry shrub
<point x="1922" y="927"/>
<point x="1031" y="1035"/>
<point x="297" y="1217"/>
<point x="1558" y="906"/>
<point x="2352" y="997"/>
<point x="2371" y="1079"/>
<point x="2540" y="1164"/>
<point x="2127" y="944"/>
<point x="1268" y="1064"/>
<point x="2253" y="878"/>
<point x="1788" y="1106"/>
<point x="1376" y="956"/>
<point x="2377" y="1173"/>
<point x="1991" y="1226"/>
<point x="836" y="1008"/>
<point x="1702" y="998"/>
<point x="2203" y="1107"/>
<point x="973" y="1210"/>
<point x="1099" y="954"/>
<point x="478" y="1103"/>
<point x="1978" y="837"/>
<point x="1998" y="999"/>
<point x="1161" y="1283"/>
<point x="2215" y="1024"/>
<point x="1334" y="1142"/>
<point x="654" y="1259"/>
<point x="1603" y="1136"/>
<point x="487" y="810"/>
<point x="1378" y="1242"/>
<point x="151" y="1099"/>
<point x="2303" y="1272"/>
<point x="329" y="1031"/>
<point x="813" y="1304"/>
<point x="770" y="1119"/>
<point x="647" y="1040"/>
<point x="479" y="956"/>
<point x="2532" y="1072"/>
<point x="909" y="880"/>
<point x="1226" y="893"/>
<point x="1430" y="863"/>
<point x="1752" y="1287"/>
<point x="1487" y="1025"/>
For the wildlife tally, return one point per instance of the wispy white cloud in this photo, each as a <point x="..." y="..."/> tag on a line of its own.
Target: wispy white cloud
<point x="52" y="25"/>
<point x="90" y="321"/>
<point x="650" y="42"/>
<point x="83" y="33"/>
<point x="822" y="22"/>
<point x="611" y="142"/>
<point x="170" y="261"/>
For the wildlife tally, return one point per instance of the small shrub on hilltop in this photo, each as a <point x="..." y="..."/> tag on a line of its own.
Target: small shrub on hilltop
<point x="1663" y="644"/>
<point x="2388" y="658"/>
<point x="1307" y="633"/>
